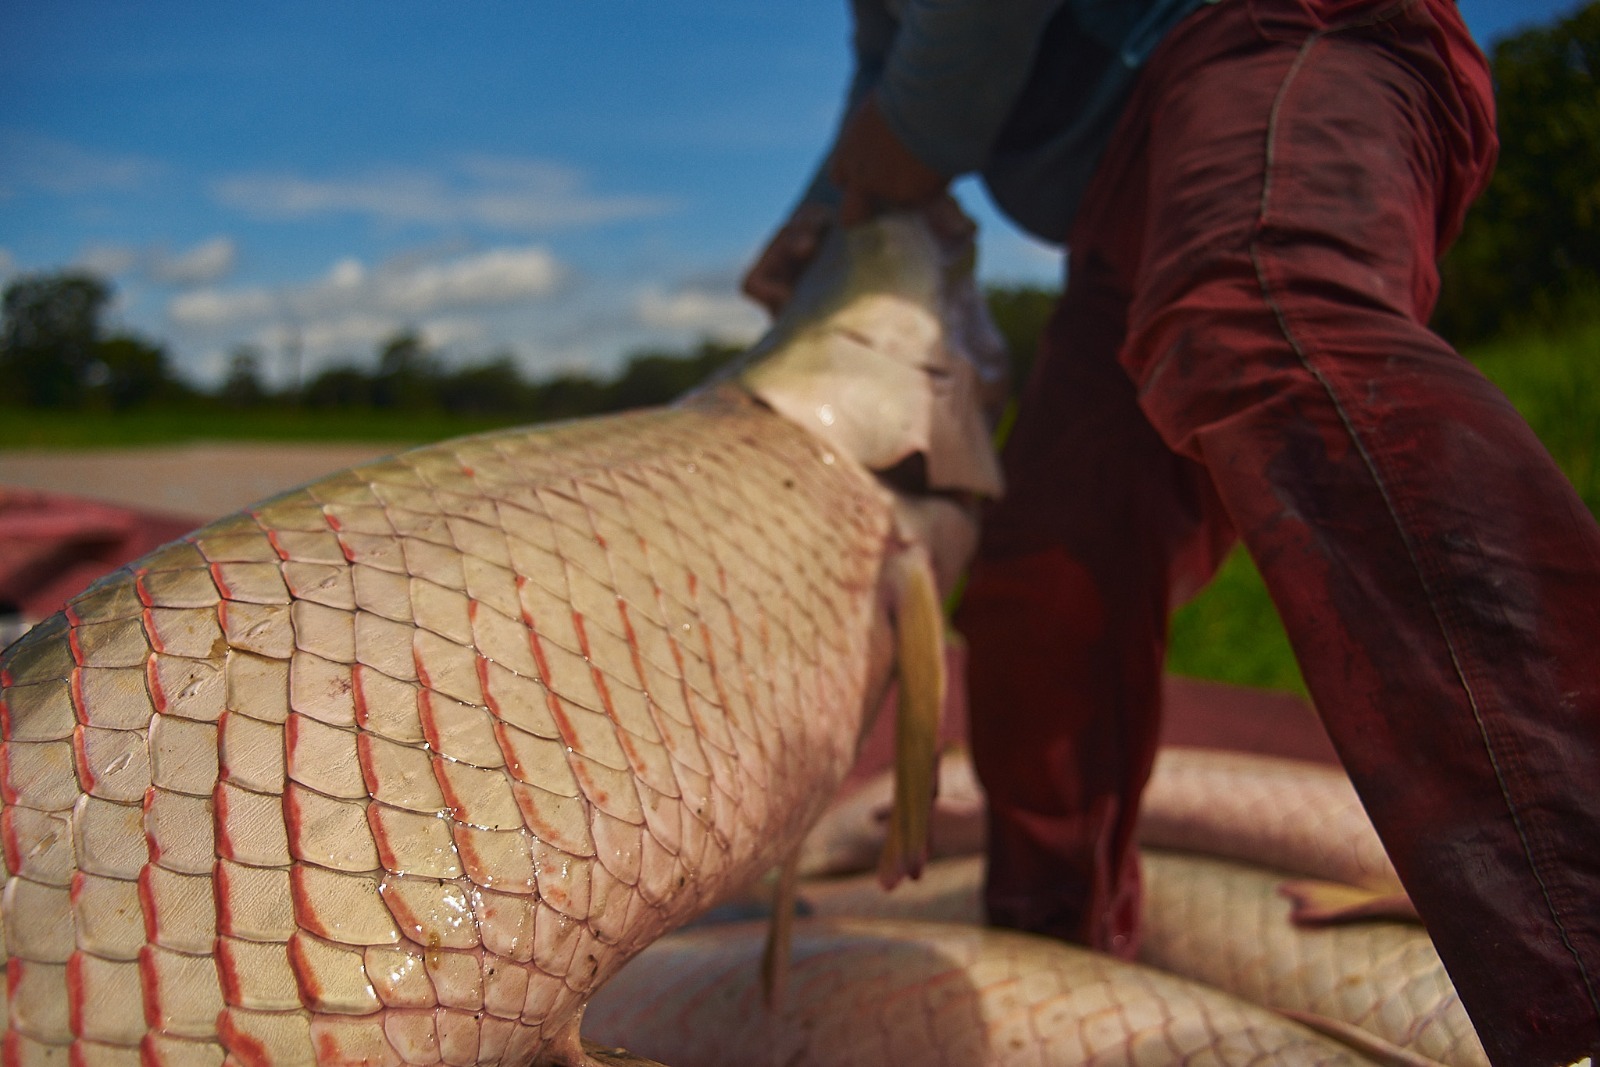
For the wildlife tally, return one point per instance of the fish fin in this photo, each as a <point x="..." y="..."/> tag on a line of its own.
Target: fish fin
<point x="1370" y="1045"/>
<point x="780" y="932"/>
<point x="1330" y="904"/>
<point x="595" y="1055"/>
<point x="919" y="635"/>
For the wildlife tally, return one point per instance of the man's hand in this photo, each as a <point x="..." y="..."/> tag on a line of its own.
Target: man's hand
<point x="875" y="171"/>
<point x="770" y="281"/>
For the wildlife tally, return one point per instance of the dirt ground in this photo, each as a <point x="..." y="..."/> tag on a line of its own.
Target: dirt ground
<point x="200" y="481"/>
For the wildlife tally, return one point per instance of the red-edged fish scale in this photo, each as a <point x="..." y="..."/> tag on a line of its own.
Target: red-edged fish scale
<point x="868" y="992"/>
<point x="1289" y="814"/>
<point x="1212" y="909"/>
<point x="399" y="766"/>
<point x="1226" y="924"/>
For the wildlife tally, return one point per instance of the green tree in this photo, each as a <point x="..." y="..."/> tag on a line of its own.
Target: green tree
<point x="48" y="338"/>
<point x="408" y="375"/>
<point x="129" y="372"/>
<point x="493" y="387"/>
<point x="342" y="388"/>
<point x="1020" y="313"/>
<point x="242" y="388"/>
<point x="568" y="396"/>
<point x="657" y="377"/>
<point x="1531" y="245"/>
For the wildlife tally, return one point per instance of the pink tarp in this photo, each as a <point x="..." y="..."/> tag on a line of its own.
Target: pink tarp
<point x="53" y="545"/>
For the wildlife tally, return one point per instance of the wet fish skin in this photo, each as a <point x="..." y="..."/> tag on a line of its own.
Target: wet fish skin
<point x="400" y="766"/>
<point x="1226" y="924"/>
<point x="1230" y="827"/>
<point x="879" y="991"/>
<point x="404" y="764"/>
<point x="1292" y="815"/>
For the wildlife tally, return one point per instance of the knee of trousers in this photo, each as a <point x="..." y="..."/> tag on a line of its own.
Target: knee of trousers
<point x="1267" y="343"/>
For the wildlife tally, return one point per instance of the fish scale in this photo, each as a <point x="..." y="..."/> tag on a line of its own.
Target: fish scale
<point x="397" y="767"/>
<point x="1225" y="924"/>
<point x="879" y="991"/>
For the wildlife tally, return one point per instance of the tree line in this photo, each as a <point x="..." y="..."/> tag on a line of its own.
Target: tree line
<point x="56" y="354"/>
<point x="1528" y="256"/>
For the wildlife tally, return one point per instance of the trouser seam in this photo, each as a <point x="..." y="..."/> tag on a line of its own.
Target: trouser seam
<point x="1280" y="314"/>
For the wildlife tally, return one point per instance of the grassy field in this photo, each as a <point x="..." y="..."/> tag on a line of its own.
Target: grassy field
<point x="1230" y="632"/>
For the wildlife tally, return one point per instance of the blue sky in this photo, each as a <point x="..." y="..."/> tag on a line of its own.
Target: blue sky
<point x="563" y="180"/>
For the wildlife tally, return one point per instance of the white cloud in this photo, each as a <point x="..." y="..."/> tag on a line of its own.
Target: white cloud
<point x="356" y="331"/>
<point x="352" y="304"/>
<point x="514" y="194"/>
<point x="328" y="341"/>
<point x="207" y="262"/>
<point x="346" y="274"/>
<point x="452" y="332"/>
<point x="108" y="261"/>
<point x="501" y="276"/>
<point x="361" y="332"/>
<point x="725" y="316"/>
<point x="216" y="308"/>
<point x="8" y="264"/>
<point x="31" y="162"/>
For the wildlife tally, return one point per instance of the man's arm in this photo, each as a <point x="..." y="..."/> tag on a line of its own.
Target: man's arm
<point x="930" y="93"/>
<point x="953" y="72"/>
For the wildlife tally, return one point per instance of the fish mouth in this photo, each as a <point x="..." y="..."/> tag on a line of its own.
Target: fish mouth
<point x="886" y="351"/>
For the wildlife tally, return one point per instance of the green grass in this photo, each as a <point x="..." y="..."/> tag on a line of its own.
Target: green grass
<point x="80" y="429"/>
<point x="1231" y="632"/>
<point x="1553" y="378"/>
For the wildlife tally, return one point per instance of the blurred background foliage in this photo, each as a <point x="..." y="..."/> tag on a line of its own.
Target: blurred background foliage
<point x="1520" y="297"/>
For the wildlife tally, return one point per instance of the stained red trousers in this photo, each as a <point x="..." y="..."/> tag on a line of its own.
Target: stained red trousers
<point x="1241" y="353"/>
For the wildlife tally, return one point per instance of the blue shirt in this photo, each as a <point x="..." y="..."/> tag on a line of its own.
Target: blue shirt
<point x="1024" y="92"/>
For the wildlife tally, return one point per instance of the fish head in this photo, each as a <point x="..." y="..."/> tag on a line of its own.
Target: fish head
<point x="886" y="351"/>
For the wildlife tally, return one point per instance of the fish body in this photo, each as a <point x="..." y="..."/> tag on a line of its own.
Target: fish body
<point x="454" y="733"/>
<point x="1291" y="815"/>
<point x="881" y="991"/>
<point x="1221" y="832"/>
<point x="1227" y="924"/>
<point x="399" y="767"/>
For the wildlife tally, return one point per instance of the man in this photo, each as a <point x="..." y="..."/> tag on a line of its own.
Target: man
<point x="1254" y="194"/>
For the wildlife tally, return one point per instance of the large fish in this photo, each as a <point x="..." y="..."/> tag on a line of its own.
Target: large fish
<point x="1217" y="912"/>
<point x="886" y="992"/>
<point x="1290" y="815"/>
<point x="1379" y="984"/>
<point x="401" y="766"/>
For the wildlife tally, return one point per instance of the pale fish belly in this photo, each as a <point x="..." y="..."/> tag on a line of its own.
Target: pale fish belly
<point x="1289" y="814"/>
<point x="1227" y="924"/>
<point x="399" y="767"/>
<point x="886" y="992"/>
<point x="1215" y="922"/>
<point x="1293" y="815"/>
<point x="1215" y="912"/>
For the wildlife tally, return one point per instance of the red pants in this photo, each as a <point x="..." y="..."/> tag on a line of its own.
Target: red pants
<point x="1240" y="352"/>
